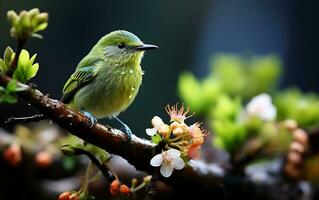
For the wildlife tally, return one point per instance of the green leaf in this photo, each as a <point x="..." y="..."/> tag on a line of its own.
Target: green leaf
<point x="32" y="71"/>
<point x="98" y="153"/>
<point x="36" y="35"/>
<point x="23" y="60"/>
<point x="26" y="69"/>
<point x="41" y="27"/>
<point x="20" y="75"/>
<point x="7" y="98"/>
<point x="12" y="85"/>
<point x="2" y="90"/>
<point x="8" y="55"/>
<point x="156" y="139"/>
<point x="3" y="66"/>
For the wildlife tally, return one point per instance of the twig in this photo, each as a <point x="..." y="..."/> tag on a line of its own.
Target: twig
<point x="21" y="43"/>
<point x="34" y="118"/>
<point x="102" y="166"/>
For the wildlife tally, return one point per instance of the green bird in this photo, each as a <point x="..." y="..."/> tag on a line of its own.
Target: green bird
<point x="107" y="80"/>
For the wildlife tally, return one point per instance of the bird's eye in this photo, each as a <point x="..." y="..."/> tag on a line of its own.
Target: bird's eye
<point x="120" y="45"/>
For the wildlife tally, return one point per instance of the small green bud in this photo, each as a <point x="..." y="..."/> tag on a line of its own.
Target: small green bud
<point x="33" y="12"/>
<point x="8" y="55"/>
<point x="12" y="16"/>
<point x="147" y="179"/>
<point x="3" y="66"/>
<point x="13" y="32"/>
<point x="41" y="18"/>
<point x="25" y="21"/>
<point x="134" y="182"/>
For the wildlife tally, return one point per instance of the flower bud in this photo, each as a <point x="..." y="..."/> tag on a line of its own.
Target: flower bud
<point x="157" y="121"/>
<point x="300" y="136"/>
<point x="43" y="159"/>
<point x="178" y="131"/>
<point x="65" y="196"/>
<point x="134" y="182"/>
<point x="125" y="190"/>
<point x="198" y="141"/>
<point x="41" y="18"/>
<point x="114" y="187"/>
<point x="33" y="12"/>
<point x="164" y="130"/>
<point x="24" y="21"/>
<point x="290" y="124"/>
<point x="12" y="16"/>
<point x="147" y="179"/>
<point x="184" y="127"/>
<point x="294" y="158"/>
<point x="297" y="147"/>
<point x="174" y="125"/>
<point x="8" y="55"/>
<point x="74" y="196"/>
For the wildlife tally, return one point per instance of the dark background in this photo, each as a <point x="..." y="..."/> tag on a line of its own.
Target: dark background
<point x="187" y="32"/>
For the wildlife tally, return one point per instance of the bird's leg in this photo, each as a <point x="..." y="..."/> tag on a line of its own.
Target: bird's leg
<point x="93" y="119"/>
<point x="127" y="129"/>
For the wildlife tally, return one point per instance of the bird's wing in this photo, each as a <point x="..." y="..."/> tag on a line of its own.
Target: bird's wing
<point x="78" y="79"/>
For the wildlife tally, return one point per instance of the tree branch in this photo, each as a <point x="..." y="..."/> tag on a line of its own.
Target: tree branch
<point x="138" y="151"/>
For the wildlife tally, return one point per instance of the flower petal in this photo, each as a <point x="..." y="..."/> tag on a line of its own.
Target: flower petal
<point x="157" y="160"/>
<point x="173" y="153"/>
<point x="178" y="163"/>
<point x="166" y="169"/>
<point x="151" y="131"/>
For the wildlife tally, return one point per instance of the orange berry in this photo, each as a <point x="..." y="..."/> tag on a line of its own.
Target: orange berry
<point x="74" y="196"/>
<point x="125" y="190"/>
<point x="43" y="159"/>
<point x="13" y="155"/>
<point x="64" y="196"/>
<point x="114" y="187"/>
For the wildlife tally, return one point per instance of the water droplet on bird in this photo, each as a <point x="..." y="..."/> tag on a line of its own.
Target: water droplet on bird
<point x="29" y="104"/>
<point x="131" y="71"/>
<point x="130" y="97"/>
<point x="133" y="88"/>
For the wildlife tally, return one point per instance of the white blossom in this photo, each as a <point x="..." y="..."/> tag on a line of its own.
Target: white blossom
<point x="261" y="106"/>
<point x="168" y="160"/>
<point x="156" y="122"/>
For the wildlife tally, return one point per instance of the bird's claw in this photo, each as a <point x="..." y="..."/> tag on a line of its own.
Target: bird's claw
<point x="128" y="133"/>
<point x="93" y="120"/>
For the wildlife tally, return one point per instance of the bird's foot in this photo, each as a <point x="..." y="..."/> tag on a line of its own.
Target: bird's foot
<point x="127" y="129"/>
<point x="128" y="132"/>
<point x="93" y="119"/>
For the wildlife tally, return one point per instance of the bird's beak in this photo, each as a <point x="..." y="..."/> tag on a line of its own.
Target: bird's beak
<point x="145" y="47"/>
